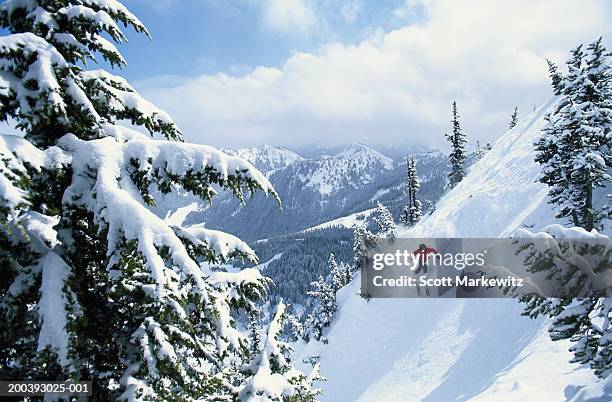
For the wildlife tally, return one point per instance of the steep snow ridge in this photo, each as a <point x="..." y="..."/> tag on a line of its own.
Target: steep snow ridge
<point x="353" y="167"/>
<point x="500" y="193"/>
<point x="267" y="158"/>
<point x="441" y="350"/>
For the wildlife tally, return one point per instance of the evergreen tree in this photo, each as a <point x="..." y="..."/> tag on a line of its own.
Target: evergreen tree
<point x="296" y="328"/>
<point x="458" y="154"/>
<point x="272" y="377"/>
<point x="514" y="118"/>
<point x="94" y="285"/>
<point x="479" y="151"/>
<point x="585" y="322"/>
<point x="556" y="78"/>
<point x="325" y="299"/>
<point x="414" y="210"/>
<point x="576" y="142"/>
<point x="363" y="240"/>
<point x="254" y="336"/>
<point x="384" y="221"/>
<point x="348" y="272"/>
<point x="338" y="276"/>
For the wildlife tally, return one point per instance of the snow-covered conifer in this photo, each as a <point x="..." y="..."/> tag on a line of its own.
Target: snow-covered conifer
<point x="458" y="154"/>
<point x="363" y="240"/>
<point x="296" y="328"/>
<point x="325" y="299"/>
<point x="574" y="149"/>
<point x="348" y="272"/>
<point x="94" y="285"/>
<point x="338" y="277"/>
<point x="556" y="78"/>
<point x="272" y="377"/>
<point x="479" y="151"/>
<point x="586" y="322"/>
<point x="254" y="335"/>
<point x="384" y="221"/>
<point x="413" y="211"/>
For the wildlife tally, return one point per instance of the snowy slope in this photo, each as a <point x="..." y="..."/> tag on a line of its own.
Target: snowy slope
<point x="456" y="350"/>
<point x="500" y="193"/>
<point x="349" y="221"/>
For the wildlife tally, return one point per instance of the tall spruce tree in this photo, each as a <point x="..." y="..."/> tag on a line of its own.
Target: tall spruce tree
<point x="513" y="118"/>
<point x="458" y="154"/>
<point x="575" y="147"/>
<point x="94" y="285"/>
<point x="414" y="210"/>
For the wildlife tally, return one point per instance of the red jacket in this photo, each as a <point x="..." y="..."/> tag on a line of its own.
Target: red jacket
<point x="424" y="252"/>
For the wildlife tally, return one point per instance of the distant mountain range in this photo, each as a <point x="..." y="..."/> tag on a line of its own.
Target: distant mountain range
<point x="318" y="189"/>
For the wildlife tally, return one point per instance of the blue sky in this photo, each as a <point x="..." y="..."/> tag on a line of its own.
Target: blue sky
<point x="192" y="37"/>
<point x="327" y="72"/>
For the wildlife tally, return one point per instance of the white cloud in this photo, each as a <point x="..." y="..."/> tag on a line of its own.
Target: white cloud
<point x="287" y="16"/>
<point x="489" y="55"/>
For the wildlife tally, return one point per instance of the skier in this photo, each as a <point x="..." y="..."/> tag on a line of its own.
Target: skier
<point x="423" y="251"/>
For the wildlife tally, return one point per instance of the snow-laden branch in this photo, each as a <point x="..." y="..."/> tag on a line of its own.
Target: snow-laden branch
<point x="37" y="83"/>
<point x="76" y="30"/>
<point x="572" y="258"/>
<point x="17" y="157"/>
<point x="104" y="185"/>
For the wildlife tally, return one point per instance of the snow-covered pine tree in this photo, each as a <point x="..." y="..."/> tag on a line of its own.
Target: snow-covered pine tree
<point x="405" y="215"/>
<point x="325" y="306"/>
<point x="295" y="327"/>
<point x="347" y="271"/>
<point x="363" y="240"/>
<point x="574" y="149"/>
<point x="384" y="221"/>
<point x="94" y="286"/>
<point x="414" y="210"/>
<point x="585" y="322"/>
<point x="513" y="118"/>
<point x="272" y="376"/>
<point x="592" y="140"/>
<point x="479" y="151"/>
<point x="338" y="277"/>
<point x="254" y="335"/>
<point x="458" y="154"/>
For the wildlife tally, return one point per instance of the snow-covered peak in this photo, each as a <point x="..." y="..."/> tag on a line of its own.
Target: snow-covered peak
<point x="364" y="154"/>
<point x="266" y="157"/>
<point x="351" y="168"/>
